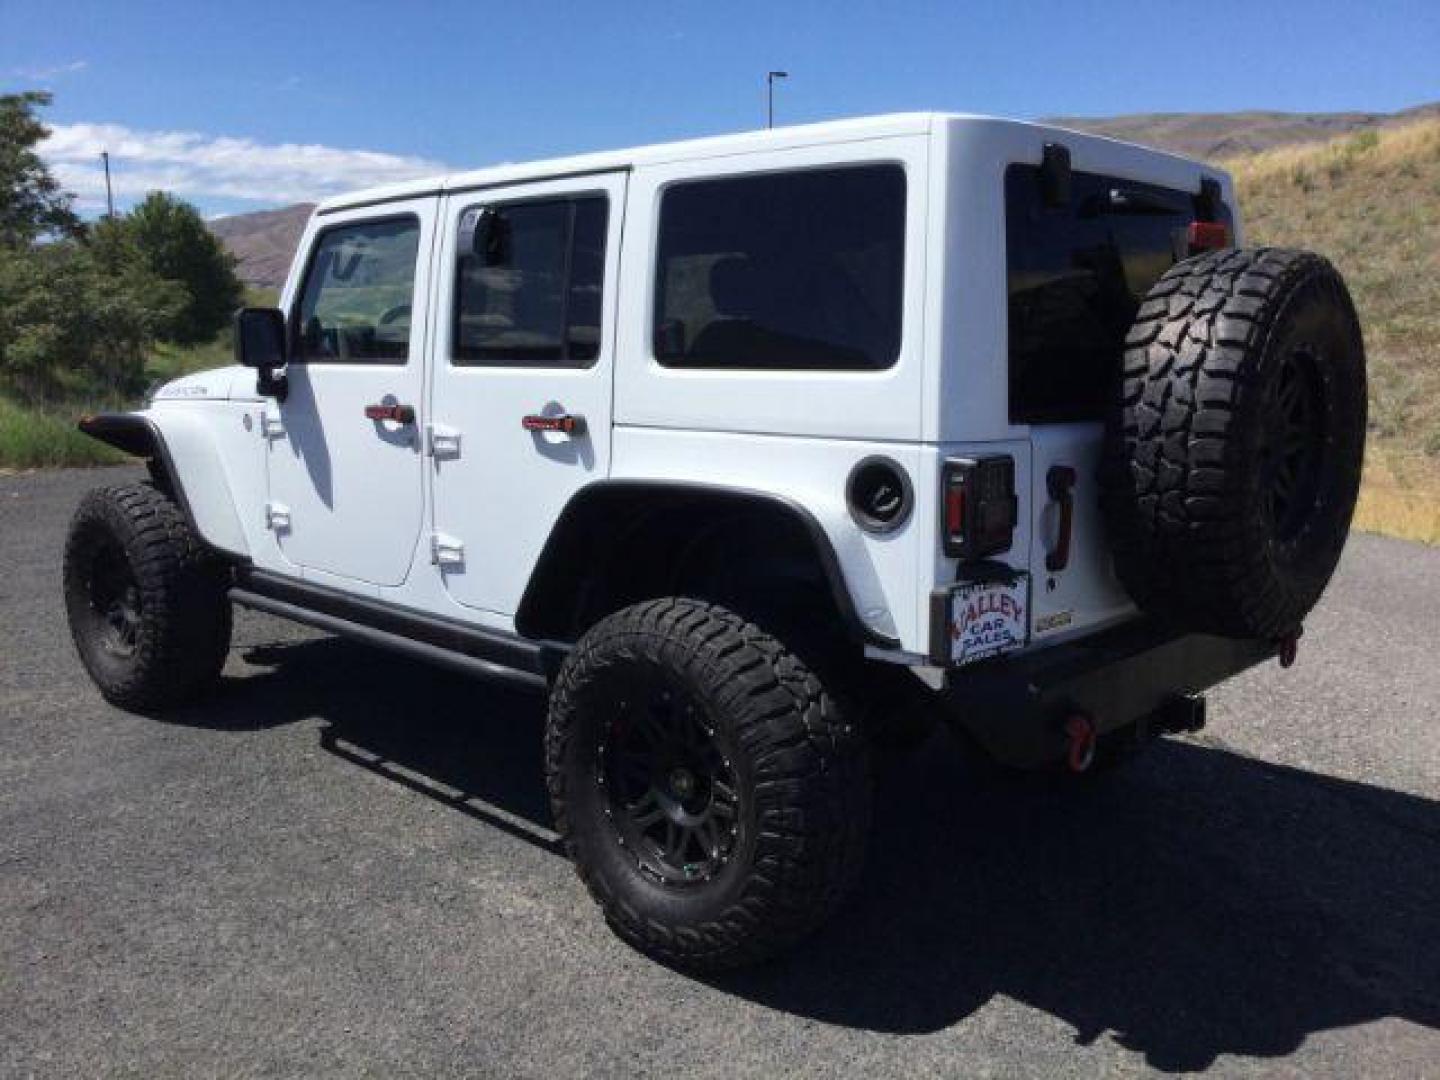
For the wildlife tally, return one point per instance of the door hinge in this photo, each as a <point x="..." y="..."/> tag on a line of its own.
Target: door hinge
<point x="272" y="424"/>
<point x="446" y="550"/>
<point x="443" y="442"/>
<point x="277" y="517"/>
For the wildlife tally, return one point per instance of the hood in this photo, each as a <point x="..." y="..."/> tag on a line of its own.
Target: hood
<point x="216" y="384"/>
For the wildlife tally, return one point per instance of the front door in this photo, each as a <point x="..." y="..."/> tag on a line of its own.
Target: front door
<point x="346" y="475"/>
<point x="521" y="393"/>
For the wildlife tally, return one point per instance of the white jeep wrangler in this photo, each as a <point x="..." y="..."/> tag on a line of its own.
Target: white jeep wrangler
<point x="747" y="449"/>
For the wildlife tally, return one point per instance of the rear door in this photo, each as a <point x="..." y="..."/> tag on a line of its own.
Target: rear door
<point x="1077" y="273"/>
<point x="522" y="386"/>
<point x="346" y="496"/>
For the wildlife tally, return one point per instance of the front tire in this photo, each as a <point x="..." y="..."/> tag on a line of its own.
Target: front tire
<point x="711" y="796"/>
<point x="146" y="602"/>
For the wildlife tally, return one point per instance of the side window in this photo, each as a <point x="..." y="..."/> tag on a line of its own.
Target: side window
<point x="1076" y="275"/>
<point x="791" y="270"/>
<point x="355" y="303"/>
<point x="532" y="294"/>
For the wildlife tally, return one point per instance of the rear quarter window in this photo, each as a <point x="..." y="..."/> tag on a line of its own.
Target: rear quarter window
<point x="1076" y="275"/>
<point x="782" y="271"/>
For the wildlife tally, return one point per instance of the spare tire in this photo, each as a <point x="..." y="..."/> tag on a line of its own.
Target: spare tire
<point x="1234" y="454"/>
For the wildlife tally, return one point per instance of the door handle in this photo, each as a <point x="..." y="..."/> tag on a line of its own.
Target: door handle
<point x="566" y="423"/>
<point x="400" y="414"/>
<point x="1059" y="484"/>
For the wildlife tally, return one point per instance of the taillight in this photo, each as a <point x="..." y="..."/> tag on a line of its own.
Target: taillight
<point x="1207" y="236"/>
<point x="955" y="510"/>
<point x="979" y="508"/>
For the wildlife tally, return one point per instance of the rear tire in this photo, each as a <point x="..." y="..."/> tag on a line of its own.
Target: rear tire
<point x="709" y="793"/>
<point x="145" y="600"/>
<point x="1234" y="461"/>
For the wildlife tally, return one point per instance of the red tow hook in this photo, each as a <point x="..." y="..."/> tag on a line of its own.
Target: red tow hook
<point x="1290" y="648"/>
<point x="1080" y="730"/>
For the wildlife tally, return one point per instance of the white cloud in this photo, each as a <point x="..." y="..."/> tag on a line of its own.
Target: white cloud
<point x="43" y="73"/>
<point x="209" y="168"/>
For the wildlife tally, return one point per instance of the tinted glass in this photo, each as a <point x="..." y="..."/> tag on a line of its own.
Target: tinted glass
<point x="534" y="295"/>
<point x="355" y="304"/>
<point x="782" y="271"/>
<point x="1076" y="276"/>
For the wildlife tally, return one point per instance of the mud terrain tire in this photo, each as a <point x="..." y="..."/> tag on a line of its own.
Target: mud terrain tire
<point x="1234" y="460"/>
<point x="668" y="713"/>
<point x="145" y="600"/>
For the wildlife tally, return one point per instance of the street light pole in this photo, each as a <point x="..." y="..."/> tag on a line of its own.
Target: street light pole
<point x="770" y="77"/>
<point x="109" y="198"/>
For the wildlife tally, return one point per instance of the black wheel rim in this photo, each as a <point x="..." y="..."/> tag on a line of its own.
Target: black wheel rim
<point x="669" y="788"/>
<point x="115" y="601"/>
<point x="1294" y="447"/>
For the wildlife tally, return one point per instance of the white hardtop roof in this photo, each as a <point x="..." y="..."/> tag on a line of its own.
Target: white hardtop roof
<point x="783" y="138"/>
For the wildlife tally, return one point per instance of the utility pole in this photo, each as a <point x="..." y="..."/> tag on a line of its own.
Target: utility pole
<point x="770" y="77"/>
<point x="109" y="197"/>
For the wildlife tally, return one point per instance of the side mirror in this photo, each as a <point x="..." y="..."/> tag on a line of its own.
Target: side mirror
<point x="260" y="344"/>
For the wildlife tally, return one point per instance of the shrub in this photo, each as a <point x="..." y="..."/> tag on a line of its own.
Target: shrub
<point x="76" y="318"/>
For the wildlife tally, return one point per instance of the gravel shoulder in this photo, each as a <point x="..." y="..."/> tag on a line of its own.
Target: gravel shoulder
<point x="343" y="866"/>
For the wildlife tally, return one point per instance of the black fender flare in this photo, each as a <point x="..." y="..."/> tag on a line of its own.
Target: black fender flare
<point x="559" y="570"/>
<point x="137" y="435"/>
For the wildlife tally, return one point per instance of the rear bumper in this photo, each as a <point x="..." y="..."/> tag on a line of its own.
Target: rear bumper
<point x="1015" y="706"/>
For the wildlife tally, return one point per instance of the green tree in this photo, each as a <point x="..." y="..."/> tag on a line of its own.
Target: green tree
<point x="76" y="318"/>
<point x="32" y="205"/>
<point x="172" y="238"/>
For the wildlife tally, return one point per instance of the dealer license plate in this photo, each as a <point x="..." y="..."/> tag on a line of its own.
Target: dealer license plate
<point x="987" y="618"/>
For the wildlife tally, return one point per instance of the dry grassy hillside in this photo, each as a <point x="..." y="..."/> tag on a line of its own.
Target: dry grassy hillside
<point x="1371" y="203"/>
<point x="1226" y="135"/>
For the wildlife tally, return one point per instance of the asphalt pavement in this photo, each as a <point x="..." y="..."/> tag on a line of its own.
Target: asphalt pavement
<point x="342" y="865"/>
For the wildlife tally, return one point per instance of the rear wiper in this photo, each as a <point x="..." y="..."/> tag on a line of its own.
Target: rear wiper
<point x="1120" y="200"/>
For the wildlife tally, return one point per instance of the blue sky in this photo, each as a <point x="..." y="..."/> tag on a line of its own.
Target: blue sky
<point x="241" y="106"/>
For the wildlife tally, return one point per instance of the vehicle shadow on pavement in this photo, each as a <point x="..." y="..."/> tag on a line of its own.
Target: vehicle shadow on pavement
<point x="1198" y="903"/>
<point x="472" y="745"/>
